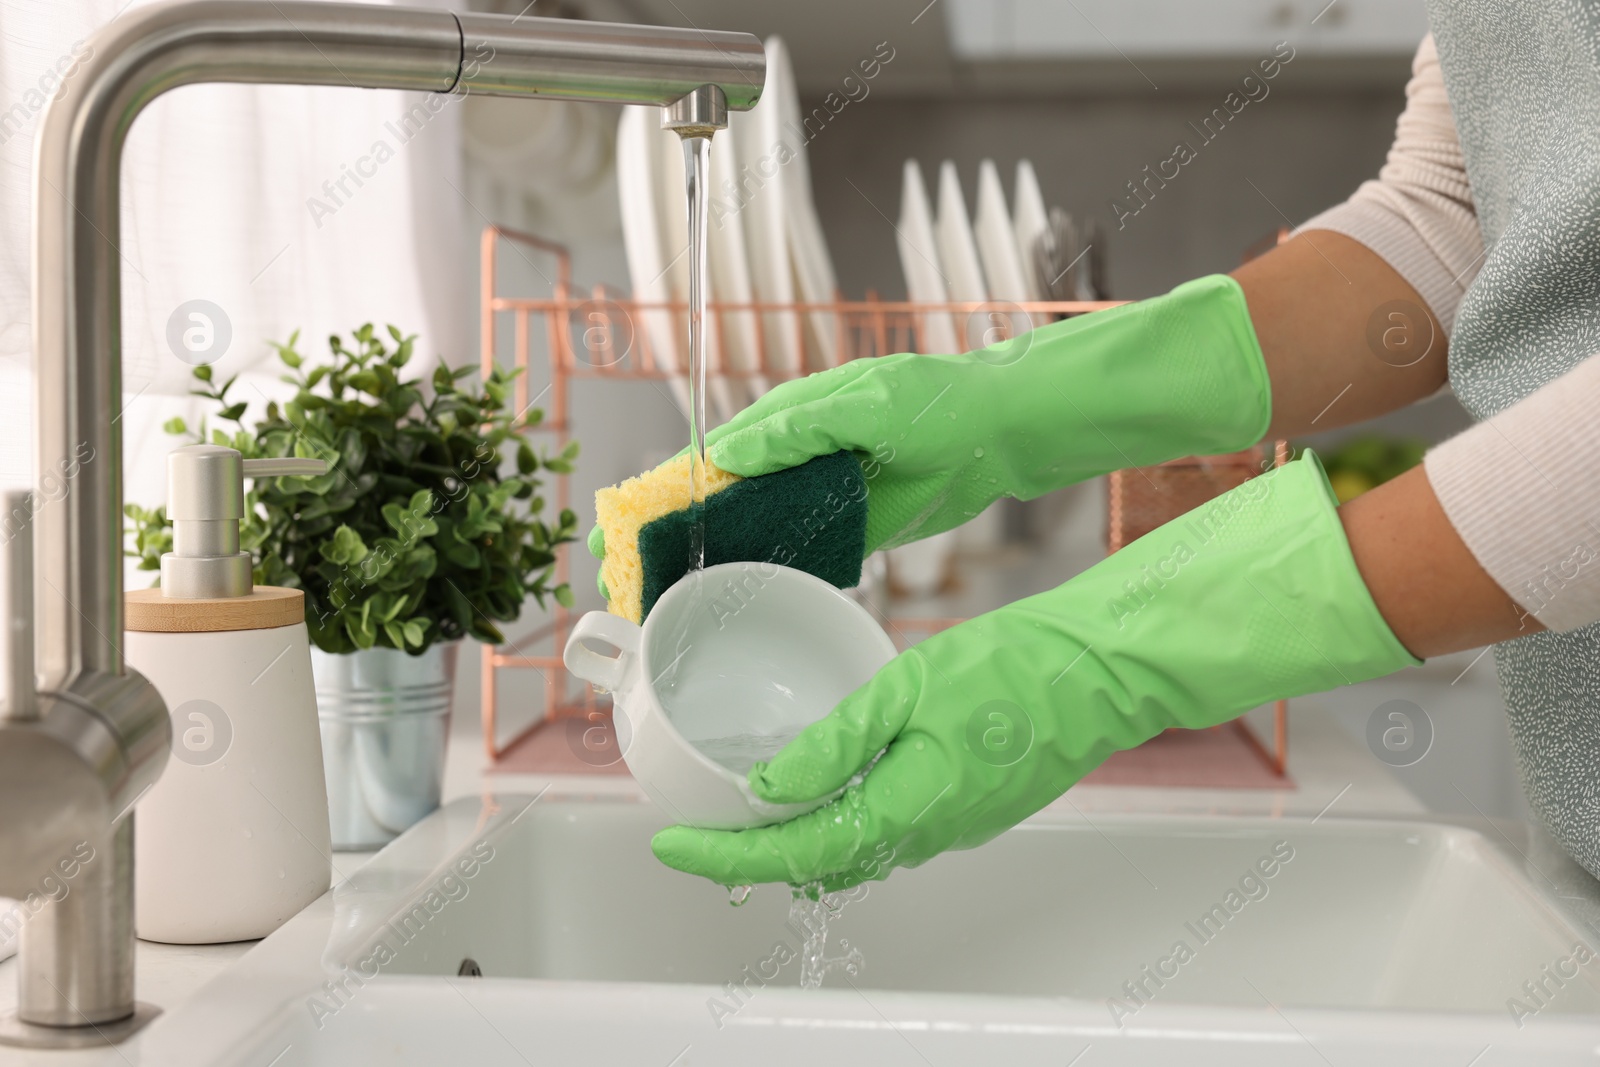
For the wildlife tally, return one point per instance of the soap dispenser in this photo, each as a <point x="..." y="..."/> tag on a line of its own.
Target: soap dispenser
<point x="233" y="838"/>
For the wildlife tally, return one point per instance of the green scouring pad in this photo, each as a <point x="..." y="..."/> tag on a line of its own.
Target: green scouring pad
<point x="812" y="517"/>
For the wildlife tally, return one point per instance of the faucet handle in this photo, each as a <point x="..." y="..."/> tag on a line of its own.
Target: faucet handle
<point x="21" y="700"/>
<point x="287" y="465"/>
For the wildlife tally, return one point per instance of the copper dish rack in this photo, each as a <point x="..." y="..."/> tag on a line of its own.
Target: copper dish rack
<point x="591" y="335"/>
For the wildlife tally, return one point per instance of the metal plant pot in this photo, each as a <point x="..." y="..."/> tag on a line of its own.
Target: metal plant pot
<point x="385" y="719"/>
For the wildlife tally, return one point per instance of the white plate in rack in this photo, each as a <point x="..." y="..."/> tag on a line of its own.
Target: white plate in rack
<point x="1003" y="265"/>
<point x="919" y="260"/>
<point x="759" y="142"/>
<point x="920" y="567"/>
<point x="739" y="332"/>
<point x="1030" y="220"/>
<point x="808" y="247"/>
<point x="958" y="252"/>
<point x="639" y="181"/>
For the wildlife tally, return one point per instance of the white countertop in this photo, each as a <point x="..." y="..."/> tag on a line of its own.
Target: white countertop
<point x="1333" y="776"/>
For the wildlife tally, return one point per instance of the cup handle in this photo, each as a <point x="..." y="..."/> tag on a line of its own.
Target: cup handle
<point x="602" y="627"/>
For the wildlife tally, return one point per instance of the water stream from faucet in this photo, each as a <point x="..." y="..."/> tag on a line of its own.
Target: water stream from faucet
<point x="696" y="169"/>
<point x="810" y="909"/>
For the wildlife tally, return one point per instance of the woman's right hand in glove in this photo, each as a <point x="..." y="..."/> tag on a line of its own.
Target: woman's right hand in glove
<point x="943" y="437"/>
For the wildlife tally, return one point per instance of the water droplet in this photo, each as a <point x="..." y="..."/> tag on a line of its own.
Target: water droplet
<point x="738" y="894"/>
<point x="977" y="453"/>
<point x="249" y="833"/>
<point x="921" y="745"/>
<point x="281" y="872"/>
<point x="951" y="414"/>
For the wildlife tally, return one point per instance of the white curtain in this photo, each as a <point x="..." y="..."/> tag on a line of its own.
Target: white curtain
<point x="242" y="196"/>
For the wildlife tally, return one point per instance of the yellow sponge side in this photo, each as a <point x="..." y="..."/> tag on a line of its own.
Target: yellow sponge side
<point x="621" y="511"/>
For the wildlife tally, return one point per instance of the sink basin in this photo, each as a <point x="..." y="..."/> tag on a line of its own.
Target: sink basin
<point x="1143" y="939"/>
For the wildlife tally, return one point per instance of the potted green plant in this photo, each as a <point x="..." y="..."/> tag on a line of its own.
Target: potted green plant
<point x="421" y="533"/>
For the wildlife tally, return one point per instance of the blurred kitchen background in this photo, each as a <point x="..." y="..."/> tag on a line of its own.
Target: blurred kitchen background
<point x="241" y="196"/>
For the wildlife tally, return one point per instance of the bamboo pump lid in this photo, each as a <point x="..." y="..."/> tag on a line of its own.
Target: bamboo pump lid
<point x="264" y="607"/>
<point x="206" y="581"/>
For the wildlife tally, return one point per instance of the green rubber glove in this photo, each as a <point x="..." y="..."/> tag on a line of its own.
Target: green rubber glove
<point x="1252" y="597"/>
<point x="943" y="437"/>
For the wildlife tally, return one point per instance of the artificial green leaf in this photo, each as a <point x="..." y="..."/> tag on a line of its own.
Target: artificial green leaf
<point x="464" y="555"/>
<point x="389" y="608"/>
<point x="346" y="547"/>
<point x="367" y="381"/>
<point x="362" y="634"/>
<point x="416" y="631"/>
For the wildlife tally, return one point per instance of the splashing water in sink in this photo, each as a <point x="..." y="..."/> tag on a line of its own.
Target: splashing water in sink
<point x="810" y="911"/>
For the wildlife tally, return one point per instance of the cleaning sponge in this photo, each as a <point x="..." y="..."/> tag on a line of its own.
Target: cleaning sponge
<point x="812" y="517"/>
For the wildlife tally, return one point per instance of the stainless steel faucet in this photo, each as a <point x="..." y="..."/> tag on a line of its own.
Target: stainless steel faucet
<point x="80" y="745"/>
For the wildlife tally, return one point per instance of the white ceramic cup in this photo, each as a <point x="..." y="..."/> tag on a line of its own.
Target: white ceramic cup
<point x="740" y="655"/>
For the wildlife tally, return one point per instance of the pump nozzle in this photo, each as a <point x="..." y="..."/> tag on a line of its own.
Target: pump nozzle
<point x="288" y="465"/>
<point x="205" y="501"/>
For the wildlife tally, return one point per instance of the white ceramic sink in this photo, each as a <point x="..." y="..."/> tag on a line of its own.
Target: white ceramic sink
<point x="1370" y="943"/>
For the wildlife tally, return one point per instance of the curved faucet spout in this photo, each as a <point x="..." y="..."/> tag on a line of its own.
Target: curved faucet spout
<point x="78" y="344"/>
<point x="77" y="263"/>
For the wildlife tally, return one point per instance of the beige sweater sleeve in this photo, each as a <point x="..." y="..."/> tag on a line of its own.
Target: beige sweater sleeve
<point x="1523" y="491"/>
<point x="1522" y="488"/>
<point x="1418" y="215"/>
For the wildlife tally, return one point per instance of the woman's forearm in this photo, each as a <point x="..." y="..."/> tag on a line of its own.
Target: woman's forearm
<point x="1345" y="337"/>
<point x="1426" y="582"/>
